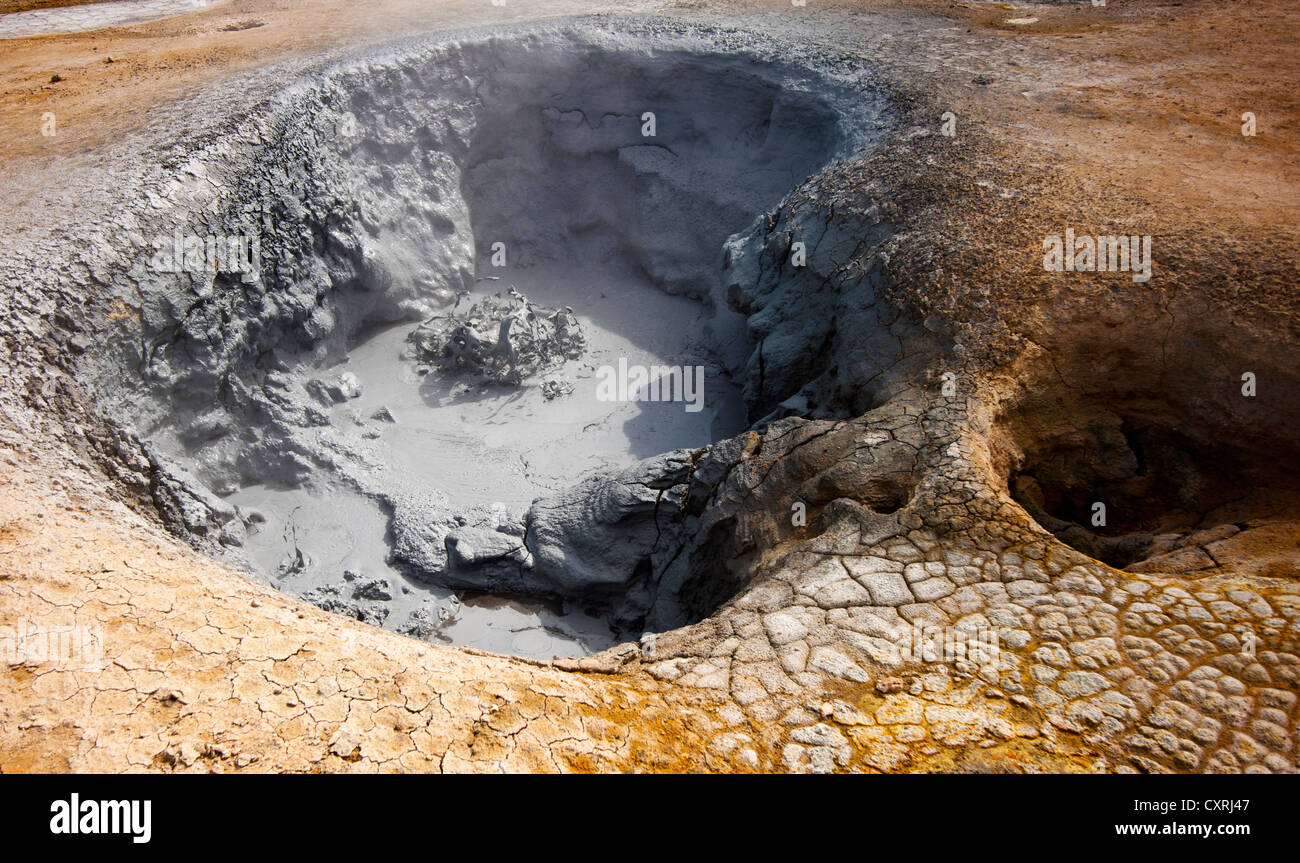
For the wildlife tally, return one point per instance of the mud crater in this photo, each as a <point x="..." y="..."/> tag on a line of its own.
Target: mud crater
<point x="296" y="431"/>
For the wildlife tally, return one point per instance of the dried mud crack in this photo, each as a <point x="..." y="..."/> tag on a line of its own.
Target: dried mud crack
<point x="876" y="547"/>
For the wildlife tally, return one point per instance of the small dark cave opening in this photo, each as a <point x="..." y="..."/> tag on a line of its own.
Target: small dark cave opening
<point x="1132" y="490"/>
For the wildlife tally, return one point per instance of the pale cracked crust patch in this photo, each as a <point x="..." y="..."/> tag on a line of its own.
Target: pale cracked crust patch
<point x="1119" y="671"/>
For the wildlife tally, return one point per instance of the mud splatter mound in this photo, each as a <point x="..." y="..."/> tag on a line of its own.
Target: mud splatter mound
<point x="500" y="340"/>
